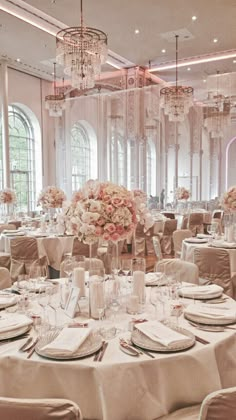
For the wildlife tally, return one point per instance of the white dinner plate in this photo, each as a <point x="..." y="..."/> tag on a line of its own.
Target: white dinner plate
<point x="196" y="240"/>
<point x="141" y="340"/>
<point x="90" y="346"/>
<point x="14" y="333"/>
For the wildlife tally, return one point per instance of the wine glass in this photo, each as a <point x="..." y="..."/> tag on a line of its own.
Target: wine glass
<point x="126" y="268"/>
<point x="68" y="266"/>
<point x="159" y="297"/>
<point x="115" y="266"/>
<point x="55" y="301"/>
<point x="212" y="229"/>
<point x="176" y="309"/>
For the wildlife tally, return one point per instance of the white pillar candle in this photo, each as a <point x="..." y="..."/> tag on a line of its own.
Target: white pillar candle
<point x="139" y="285"/>
<point x="96" y="298"/>
<point x="132" y="304"/>
<point x="230" y="234"/>
<point x="78" y="280"/>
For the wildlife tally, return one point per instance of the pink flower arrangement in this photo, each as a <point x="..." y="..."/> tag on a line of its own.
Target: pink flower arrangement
<point x="7" y="196"/>
<point x="143" y="215"/>
<point x="182" y="193"/>
<point x="51" y="197"/>
<point x="101" y="210"/>
<point x="228" y="200"/>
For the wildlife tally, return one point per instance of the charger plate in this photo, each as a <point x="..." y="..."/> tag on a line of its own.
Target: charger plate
<point x="208" y="321"/>
<point x="155" y="279"/>
<point x="90" y="346"/>
<point x="196" y="241"/>
<point x="8" y="304"/>
<point x="141" y="340"/>
<point x="14" y="333"/>
<point x="203" y="296"/>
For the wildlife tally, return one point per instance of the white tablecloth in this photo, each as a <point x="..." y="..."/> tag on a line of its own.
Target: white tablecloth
<point x="122" y="387"/>
<point x="187" y="253"/>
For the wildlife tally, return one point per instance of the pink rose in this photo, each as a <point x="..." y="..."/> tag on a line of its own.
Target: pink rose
<point x="110" y="227"/>
<point x="109" y="209"/>
<point x="115" y="236"/>
<point x="117" y="202"/>
<point x="106" y="236"/>
<point x="101" y="221"/>
<point x="120" y="229"/>
<point x="106" y="198"/>
<point x="98" y="231"/>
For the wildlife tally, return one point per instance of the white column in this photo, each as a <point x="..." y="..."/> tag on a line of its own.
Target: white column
<point x="5" y="128"/>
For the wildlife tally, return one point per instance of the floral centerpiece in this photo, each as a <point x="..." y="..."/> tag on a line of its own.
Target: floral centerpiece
<point x="144" y="217"/>
<point x="182" y="193"/>
<point x="228" y="200"/>
<point x="7" y="196"/>
<point x="101" y="210"/>
<point x="51" y="198"/>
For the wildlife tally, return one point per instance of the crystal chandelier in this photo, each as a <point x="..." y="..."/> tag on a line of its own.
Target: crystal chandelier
<point x="81" y="51"/>
<point x="176" y="100"/>
<point x="55" y="103"/>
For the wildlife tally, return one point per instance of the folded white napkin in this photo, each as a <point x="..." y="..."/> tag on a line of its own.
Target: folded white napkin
<point x="223" y="244"/>
<point x="10" y="231"/>
<point x="67" y="342"/>
<point x="155" y="279"/>
<point x="8" y="300"/>
<point x="209" y="312"/>
<point x="13" y="321"/>
<point x="203" y="236"/>
<point x="198" y="291"/>
<point x="13" y="233"/>
<point x="160" y="333"/>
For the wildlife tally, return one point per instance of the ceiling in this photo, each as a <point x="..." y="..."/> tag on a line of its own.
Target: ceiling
<point x="157" y="21"/>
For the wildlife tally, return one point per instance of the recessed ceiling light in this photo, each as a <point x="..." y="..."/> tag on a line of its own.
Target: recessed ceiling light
<point x="136" y="31"/>
<point x="52" y="73"/>
<point x="204" y="80"/>
<point x="163" y="51"/>
<point x="189" y="68"/>
<point x="234" y="61"/>
<point x="194" y="17"/>
<point x="215" y="40"/>
<point x="18" y="59"/>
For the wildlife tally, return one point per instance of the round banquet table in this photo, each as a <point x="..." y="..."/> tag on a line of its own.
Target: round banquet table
<point x="187" y="253"/>
<point x="52" y="246"/>
<point x="122" y="387"/>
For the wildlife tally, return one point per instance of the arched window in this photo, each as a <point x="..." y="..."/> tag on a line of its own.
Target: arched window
<point x="22" y="158"/>
<point x="80" y="156"/>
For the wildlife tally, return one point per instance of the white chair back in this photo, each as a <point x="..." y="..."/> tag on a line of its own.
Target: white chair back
<point x="178" y="237"/>
<point x="219" y="405"/>
<point x="38" y="409"/>
<point x="186" y="271"/>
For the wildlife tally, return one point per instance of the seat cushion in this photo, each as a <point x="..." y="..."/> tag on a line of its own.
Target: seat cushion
<point x="187" y="413"/>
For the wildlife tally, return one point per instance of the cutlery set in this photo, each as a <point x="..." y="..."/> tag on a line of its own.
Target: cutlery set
<point x="100" y="353"/>
<point x="133" y="350"/>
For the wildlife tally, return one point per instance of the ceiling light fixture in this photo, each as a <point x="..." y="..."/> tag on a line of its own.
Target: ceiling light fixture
<point x="176" y="100"/>
<point x="194" y="18"/>
<point x="163" y="51"/>
<point x="196" y="60"/>
<point x="215" y="40"/>
<point x="136" y="31"/>
<point x="55" y="103"/>
<point x="81" y="51"/>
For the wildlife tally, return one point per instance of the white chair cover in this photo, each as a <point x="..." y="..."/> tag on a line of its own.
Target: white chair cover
<point x="219" y="405"/>
<point x="214" y="267"/>
<point x="24" y="253"/>
<point x="187" y="413"/>
<point x="178" y="237"/>
<point x="38" y="409"/>
<point x="195" y="223"/>
<point x="166" y="238"/>
<point x="5" y="278"/>
<point x="187" y="271"/>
